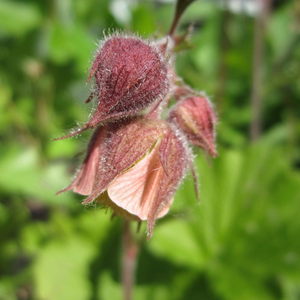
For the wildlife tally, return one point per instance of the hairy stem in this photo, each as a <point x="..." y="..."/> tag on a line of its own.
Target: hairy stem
<point x="130" y="252"/>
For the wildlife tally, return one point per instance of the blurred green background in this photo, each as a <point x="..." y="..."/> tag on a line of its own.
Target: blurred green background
<point x="242" y="242"/>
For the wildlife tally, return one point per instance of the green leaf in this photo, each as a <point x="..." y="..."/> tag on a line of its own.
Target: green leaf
<point x="17" y="18"/>
<point x="235" y="284"/>
<point x="21" y="173"/>
<point x="69" y="42"/>
<point x="143" y="20"/>
<point x="62" y="270"/>
<point x="174" y="240"/>
<point x="108" y="289"/>
<point x="279" y="29"/>
<point x="7" y="289"/>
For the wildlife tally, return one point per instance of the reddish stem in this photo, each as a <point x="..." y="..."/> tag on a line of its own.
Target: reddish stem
<point x="130" y="252"/>
<point x="174" y="24"/>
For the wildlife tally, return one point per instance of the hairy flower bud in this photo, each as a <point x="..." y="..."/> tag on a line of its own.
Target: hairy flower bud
<point x="130" y="74"/>
<point x="196" y="118"/>
<point x="134" y="168"/>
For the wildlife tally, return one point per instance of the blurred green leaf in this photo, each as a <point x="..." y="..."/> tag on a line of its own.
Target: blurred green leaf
<point x="7" y="289"/>
<point x="68" y="43"/>
<point x="65" y="148"/>
<point x="61" y="270"/>
<point x="174" y="240"/>
<point x="108" y="289"/>
<point x="143" y="20"/>
<point x="18" y="18"/>
<point x="235" y="284"/>
<point x="37" y="181"/>
<point x="278" y="27"/>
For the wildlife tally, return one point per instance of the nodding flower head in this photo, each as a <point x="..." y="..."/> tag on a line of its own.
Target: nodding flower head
<point x="196" y="118"/>
<point x="134" y="168"/>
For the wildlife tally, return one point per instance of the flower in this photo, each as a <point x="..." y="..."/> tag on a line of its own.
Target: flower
<point x="135" y="161"/>
<point x="134" y="168"/>
<point x="195" y="116"/>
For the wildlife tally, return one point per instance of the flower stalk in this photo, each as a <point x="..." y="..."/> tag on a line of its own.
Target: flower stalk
<point x="130" y="252"/>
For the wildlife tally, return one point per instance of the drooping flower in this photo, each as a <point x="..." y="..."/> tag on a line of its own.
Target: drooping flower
<point x="134" y="168"/>
<point x="196" y="118"/>
<point x="130" y="74"/>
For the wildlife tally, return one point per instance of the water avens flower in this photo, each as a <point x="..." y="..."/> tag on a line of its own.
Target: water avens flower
<point x="196" y="118"/>
<point x="134" y="167"/>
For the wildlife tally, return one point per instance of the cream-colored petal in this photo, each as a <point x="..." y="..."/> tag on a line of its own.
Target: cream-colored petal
<point x="135" y="189"/>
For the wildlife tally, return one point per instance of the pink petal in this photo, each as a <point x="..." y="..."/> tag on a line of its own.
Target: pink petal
<point x="135" y="189"/>
<point x="84" y="182"/>
<point x="127" y="145"/>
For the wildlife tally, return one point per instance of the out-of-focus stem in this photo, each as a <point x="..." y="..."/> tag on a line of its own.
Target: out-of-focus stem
<point x="181" y="5"/>
<point x="130" y="252"/>
<point x="222" y="70"/>
<point x="257" y="76"/>
<point x="174" y="24"/>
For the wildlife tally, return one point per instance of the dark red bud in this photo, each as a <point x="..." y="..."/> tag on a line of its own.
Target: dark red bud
<point x="130" y="74"/>
<point x="196" y="118"/>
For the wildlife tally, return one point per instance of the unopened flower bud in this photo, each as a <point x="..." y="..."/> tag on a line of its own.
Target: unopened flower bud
<point x="130" y="75"/>
<point x="196" y="118"/>
<point x="134" y="168"/>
